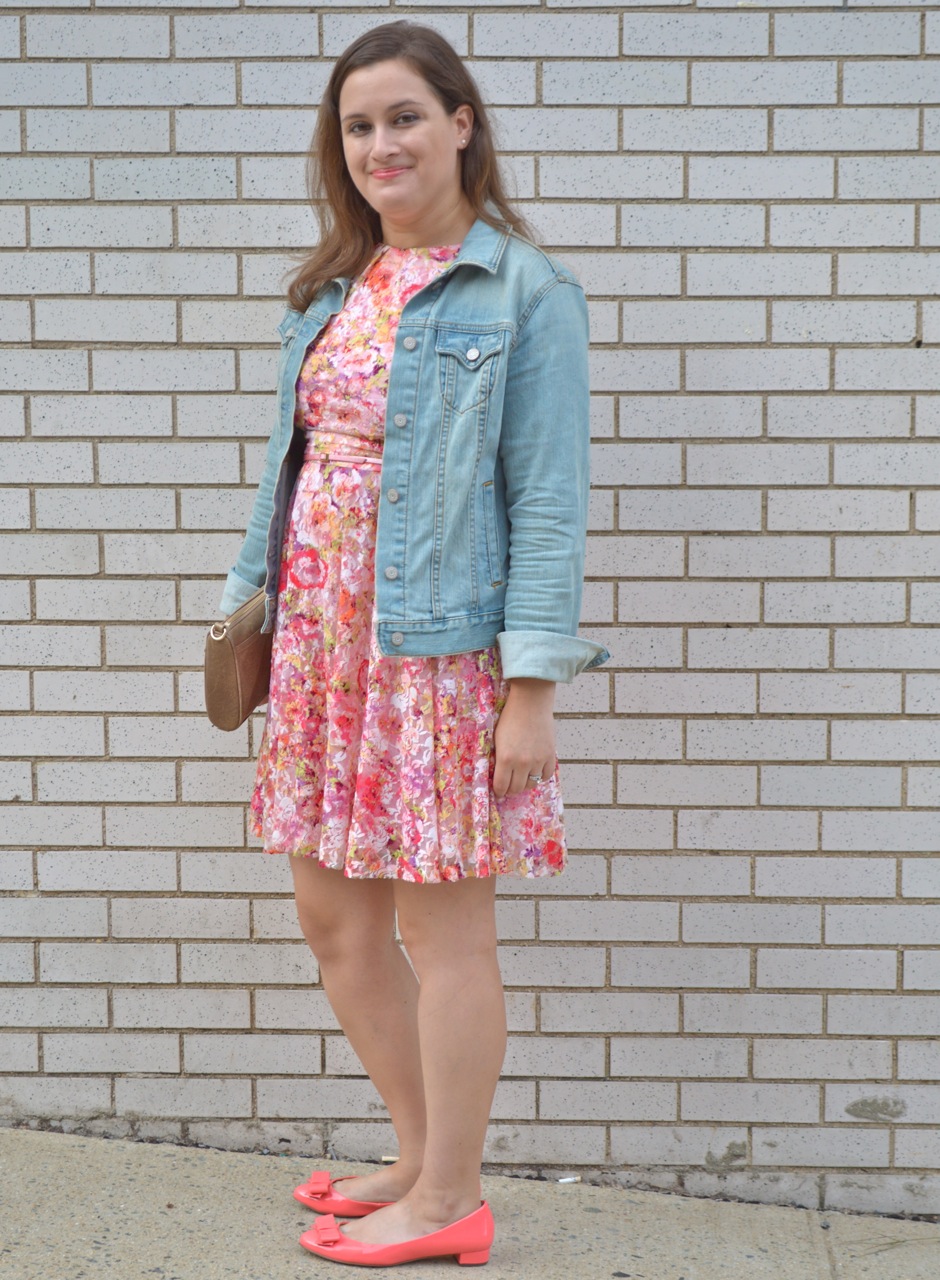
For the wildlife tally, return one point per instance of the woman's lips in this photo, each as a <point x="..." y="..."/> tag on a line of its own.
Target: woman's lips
<point x="389" y="173"/>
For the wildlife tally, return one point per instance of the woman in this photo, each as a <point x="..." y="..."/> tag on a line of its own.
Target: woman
<point x="420" y="531"/>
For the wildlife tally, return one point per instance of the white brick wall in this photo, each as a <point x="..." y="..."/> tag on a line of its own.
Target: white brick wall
<point x="735" y="988"/>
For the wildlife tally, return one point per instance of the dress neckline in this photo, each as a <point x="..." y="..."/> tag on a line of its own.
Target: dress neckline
<point x="424" y="250"/>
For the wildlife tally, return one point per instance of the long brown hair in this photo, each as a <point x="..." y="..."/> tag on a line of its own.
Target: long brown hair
<point x="349" y="227"/>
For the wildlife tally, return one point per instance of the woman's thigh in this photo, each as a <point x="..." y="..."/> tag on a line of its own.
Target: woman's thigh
<point x="340" y="915"/>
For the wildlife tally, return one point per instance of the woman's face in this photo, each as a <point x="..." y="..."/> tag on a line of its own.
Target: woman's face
<point x="402" y="149"/>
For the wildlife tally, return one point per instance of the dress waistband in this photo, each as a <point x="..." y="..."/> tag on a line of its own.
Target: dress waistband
<point x="348" y="450"/>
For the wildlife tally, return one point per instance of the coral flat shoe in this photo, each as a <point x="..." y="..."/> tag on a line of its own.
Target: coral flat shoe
<point x="469" y="1240"/>
<point x="318" y="1193"/>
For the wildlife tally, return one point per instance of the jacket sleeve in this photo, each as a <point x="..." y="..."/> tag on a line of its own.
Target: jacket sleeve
<point x="249" y="570"/>
<point x="545" y="459"/>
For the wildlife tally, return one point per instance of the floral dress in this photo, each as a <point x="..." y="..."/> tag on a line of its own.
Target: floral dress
<point x="379" y="766"/>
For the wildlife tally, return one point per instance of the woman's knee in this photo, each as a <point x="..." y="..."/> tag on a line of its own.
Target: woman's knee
<point x="334" y="939"/>
<point x="342" y="918"/>
<point x="448" y="927"/>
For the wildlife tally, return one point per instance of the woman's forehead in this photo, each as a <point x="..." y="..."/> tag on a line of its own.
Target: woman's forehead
<point x="383" y="85"/>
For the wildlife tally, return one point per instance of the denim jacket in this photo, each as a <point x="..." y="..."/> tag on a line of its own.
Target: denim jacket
<point x="485" y="480"/>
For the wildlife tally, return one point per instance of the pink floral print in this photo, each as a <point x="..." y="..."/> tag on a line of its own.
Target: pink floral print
<point x="378" y="766"/>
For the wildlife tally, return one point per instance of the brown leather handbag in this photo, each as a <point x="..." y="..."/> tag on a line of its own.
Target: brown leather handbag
<point x="237" y="664"/>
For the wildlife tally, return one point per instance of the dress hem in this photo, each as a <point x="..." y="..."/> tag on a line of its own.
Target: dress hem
<point x="547" y="873"/>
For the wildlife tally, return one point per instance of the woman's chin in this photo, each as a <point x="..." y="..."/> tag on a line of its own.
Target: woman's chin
<point x="398" y="205"/>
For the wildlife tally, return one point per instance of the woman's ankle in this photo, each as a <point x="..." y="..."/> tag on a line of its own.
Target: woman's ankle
<point x="444" y="1204"/>
<point x="409" y="1166"/>
<point x="398" y="1173"/>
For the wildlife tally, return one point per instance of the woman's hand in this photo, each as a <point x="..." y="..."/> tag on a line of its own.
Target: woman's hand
<point x="524" y="739"/>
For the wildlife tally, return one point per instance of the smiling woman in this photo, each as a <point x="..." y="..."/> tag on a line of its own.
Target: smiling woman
<point x="401" y="148"/>
<point x="350" y="226"/>
<point x="419" y="532"/>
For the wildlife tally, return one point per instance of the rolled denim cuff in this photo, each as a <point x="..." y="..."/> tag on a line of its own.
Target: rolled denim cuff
<point x="547" y="655"/>
<point x="236" y="592"/>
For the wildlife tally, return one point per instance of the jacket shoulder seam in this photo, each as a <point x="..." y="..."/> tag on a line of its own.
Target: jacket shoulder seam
<point x="537" y="297"/>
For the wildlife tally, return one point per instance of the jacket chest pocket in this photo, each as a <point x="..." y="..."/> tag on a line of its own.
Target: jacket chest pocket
<point x="467" y="363"/>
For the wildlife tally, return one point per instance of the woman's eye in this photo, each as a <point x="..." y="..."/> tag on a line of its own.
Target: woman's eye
<point x="359" y="126"/>
<point x="407" y="117"/>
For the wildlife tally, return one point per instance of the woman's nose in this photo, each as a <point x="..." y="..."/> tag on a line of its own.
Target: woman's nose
<point x="384" y="142"/>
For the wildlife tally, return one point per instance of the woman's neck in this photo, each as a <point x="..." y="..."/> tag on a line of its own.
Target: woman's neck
<point x="433" y="230"/>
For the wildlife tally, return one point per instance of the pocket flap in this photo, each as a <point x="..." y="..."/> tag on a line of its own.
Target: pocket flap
<point x="471" y="349"/>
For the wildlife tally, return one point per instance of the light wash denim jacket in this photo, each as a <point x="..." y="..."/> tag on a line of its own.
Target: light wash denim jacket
<point x="483" y="511"/>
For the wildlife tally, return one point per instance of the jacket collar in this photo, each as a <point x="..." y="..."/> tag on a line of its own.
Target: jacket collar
<point x="483" y="246"/>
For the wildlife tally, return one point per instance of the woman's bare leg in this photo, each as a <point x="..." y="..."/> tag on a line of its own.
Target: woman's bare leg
<point x="449" y="931"/>
<point x="350" y="927"/>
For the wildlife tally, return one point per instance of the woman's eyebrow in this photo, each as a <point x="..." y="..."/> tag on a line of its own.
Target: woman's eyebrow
<point x="395" y="106"/>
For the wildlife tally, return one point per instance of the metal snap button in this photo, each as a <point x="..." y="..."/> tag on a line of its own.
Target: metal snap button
<point x="392" y="495"/>
<point x="410" y="343"/>
<point x="391" y="572"/>
<point x="473" y="354"/>
<point x="397" y="638"/>
<point x="400" y="420"/>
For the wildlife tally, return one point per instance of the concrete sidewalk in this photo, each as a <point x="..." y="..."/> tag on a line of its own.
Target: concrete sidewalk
<point x="75" y="1208"/>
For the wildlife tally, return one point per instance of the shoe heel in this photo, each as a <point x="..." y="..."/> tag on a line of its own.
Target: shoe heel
<point x="474" y="1259"/>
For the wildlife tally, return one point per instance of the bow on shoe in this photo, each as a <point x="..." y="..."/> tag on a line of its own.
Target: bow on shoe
<point x="326" y="1231"/>
<point x="318" y="1184"/>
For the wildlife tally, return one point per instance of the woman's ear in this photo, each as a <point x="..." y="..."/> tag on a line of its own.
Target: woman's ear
<point x="463" y="119"/>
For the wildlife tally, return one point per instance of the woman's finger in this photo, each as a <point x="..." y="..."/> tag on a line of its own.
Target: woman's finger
<point x="517" y="778"/>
